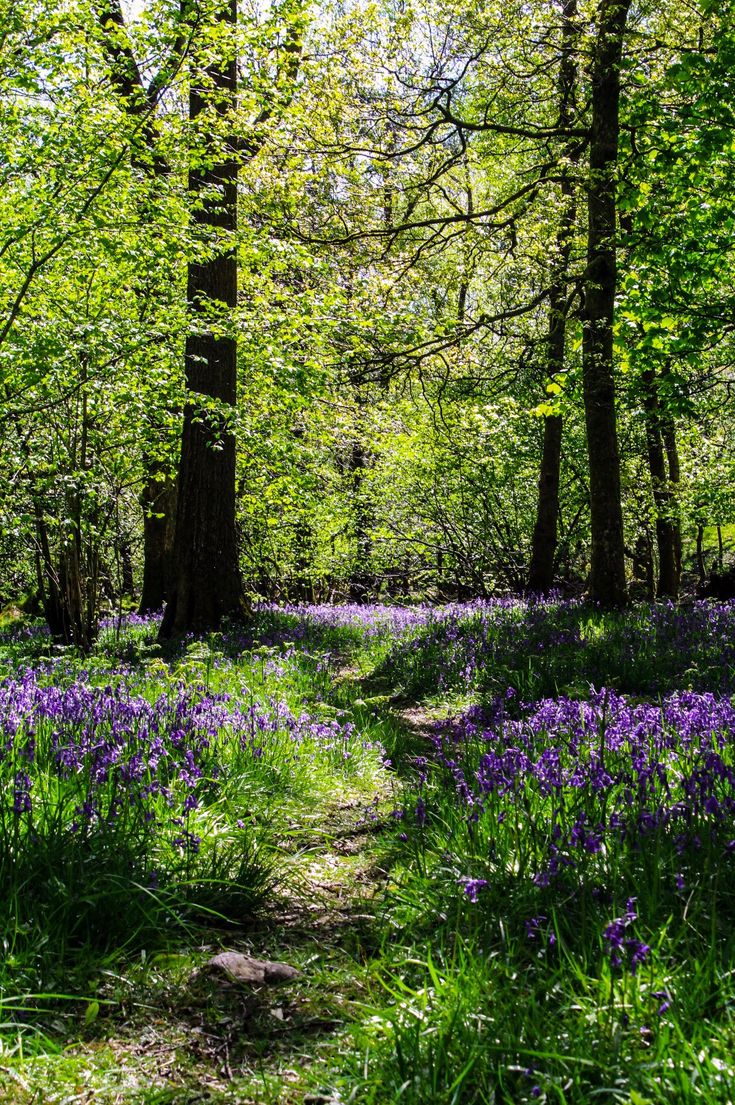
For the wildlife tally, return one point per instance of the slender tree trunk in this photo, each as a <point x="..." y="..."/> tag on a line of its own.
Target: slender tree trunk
<point x="701" y="569"/>
<point x="303" y="590"/>
<point x="127" y="578"/>
<point x="360" y="576"/>
<point x="666" y="527"/>
<point x="545" y="533"/>
<point x="544" y="542"/>
<point x="672" y="459"/>
<point x="48" y="580"/>
<point x="607" y="573"/>
<point x="159" y="512"/>
<point x="207" y="584"/>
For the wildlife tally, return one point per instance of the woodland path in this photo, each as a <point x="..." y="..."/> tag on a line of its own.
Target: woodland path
<point x="173" y="1035"/>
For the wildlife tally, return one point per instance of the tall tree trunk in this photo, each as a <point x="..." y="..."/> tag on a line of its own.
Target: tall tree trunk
<point x="607" y="572"/>
<point x="201" y="580"/>
<point x="672" y="459"/>
<point x="666" y="526"/>
<point x="48" y="580"/>
<point x="701" y="569"/>
<point x="207" y="584"/>
<point x="361" y="578"/>
<point x="544" y="541"/>
<point x="159" y="512"/>
<point x="545" y="535"/>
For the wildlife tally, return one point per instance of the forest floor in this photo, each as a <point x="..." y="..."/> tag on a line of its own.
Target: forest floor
<point x="170" y="1033"/>
<point x="498" y="884"/>
<point x="179" y="1036"/>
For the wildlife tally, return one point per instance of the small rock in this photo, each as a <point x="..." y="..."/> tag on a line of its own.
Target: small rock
<point x="254" y="972"/>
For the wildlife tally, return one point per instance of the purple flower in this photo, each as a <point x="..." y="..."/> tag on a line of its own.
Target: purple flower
<point x="533" y="924"/>
<point x="22" y="793"/>
<point x="472" y="887"/>
<point x="640" y="953"/>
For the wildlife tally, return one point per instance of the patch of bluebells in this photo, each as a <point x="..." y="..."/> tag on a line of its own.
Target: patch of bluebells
<point x="455" y="643"/>
<point x="539" y="645"/>
<point x="79" y="761"/>
<point x="582" y="793"/>
<point x="276" y="625"/>
<point x="370" y="619"/>
<point x="131" y="620"/>
<point x="595" y="775"/>
<point x="24" y="632"/>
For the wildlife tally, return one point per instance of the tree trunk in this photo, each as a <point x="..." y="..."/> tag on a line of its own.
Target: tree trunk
<point x="361" y="579"/>
<point x="159" y="513"/>
<point x="48" y="581"/>
<point x="545" y="535"/>
<point x="543" y="547"/>
<point x="666" y="527"/>
<point x="303" y="561"/>
<point x="68" y="588"/>
<point x="672" y="459"/>
<point x="701" y="569"/>
<point x="207" y="584"/>
<point x="607" y="572"/>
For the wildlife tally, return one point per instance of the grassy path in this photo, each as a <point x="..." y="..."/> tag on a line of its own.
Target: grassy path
<point x="169" y="1033"/>
<point x="177" y="1035"/>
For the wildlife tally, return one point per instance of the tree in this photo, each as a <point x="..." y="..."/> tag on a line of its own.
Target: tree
<point x="607" y="572"/>
<point x="544" y="541"/>
<point x="206" y="578"/>
<point x="142" y="104"/>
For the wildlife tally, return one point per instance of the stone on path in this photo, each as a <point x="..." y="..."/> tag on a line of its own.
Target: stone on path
<point x="243" y="969"/>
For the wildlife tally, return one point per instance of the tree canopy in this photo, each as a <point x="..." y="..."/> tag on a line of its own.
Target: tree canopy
<point x="478" y="301"/>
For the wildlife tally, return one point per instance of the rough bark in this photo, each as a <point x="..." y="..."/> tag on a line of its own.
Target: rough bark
<point x="545" y="532"/>
<point x="159" y="513"/>
<point x="607" y="584"/>
<point x="207" y="584"/>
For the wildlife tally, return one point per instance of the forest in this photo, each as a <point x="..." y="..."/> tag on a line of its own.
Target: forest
<point x="367" y="552"/>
